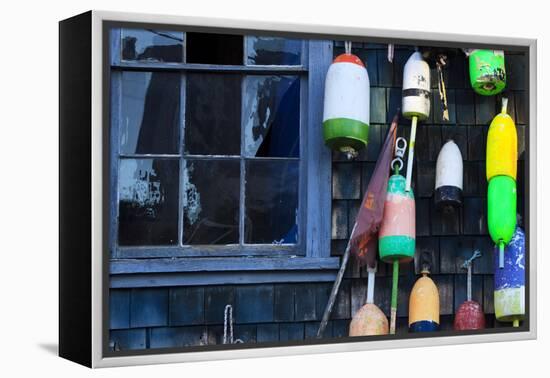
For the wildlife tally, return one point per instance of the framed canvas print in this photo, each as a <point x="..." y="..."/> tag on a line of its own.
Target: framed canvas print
<point x="234" y="189"/>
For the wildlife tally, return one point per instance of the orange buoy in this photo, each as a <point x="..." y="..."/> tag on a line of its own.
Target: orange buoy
<point x="424" y="304"/>
<point x="369" y="320"/>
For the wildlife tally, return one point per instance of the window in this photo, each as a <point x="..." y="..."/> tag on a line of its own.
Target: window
<point x="216" y="153"/>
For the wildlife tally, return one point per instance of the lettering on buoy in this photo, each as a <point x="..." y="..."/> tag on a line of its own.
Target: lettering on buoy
<point x="487" y="71"/>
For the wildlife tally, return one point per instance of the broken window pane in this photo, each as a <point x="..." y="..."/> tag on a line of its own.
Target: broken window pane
<point x="150" y="113"/>
<point x="213" y="114"/>
<point x="148" y="201"/>
<point x="211" y="201"/>
<point x="271" y="201"/>
<point x="274" y="51"/>
<point x="152" y="45"/>
<point x="271" y="116"/>
<point x="211" y="48"/>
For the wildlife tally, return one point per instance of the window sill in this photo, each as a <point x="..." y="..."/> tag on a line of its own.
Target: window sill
<point x="218" y="271"/>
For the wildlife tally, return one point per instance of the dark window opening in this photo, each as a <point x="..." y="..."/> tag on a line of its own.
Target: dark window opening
<point x="209" y="48"/>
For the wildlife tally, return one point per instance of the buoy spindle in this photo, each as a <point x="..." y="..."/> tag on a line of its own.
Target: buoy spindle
<point x="411" y="153"/>
<point x="395" y="284"/>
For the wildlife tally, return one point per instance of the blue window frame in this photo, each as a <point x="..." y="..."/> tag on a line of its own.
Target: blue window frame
<point x="174" y="154"/>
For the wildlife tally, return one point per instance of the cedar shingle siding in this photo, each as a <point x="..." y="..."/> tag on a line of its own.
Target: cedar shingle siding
<point x="180" y="316"/>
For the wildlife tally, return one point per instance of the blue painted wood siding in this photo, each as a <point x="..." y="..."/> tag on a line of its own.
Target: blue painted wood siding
<point x="291" y="311"/>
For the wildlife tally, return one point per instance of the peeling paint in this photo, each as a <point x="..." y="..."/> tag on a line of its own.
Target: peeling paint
<point x="191" y="197"/>
<point x="138" y="185"/>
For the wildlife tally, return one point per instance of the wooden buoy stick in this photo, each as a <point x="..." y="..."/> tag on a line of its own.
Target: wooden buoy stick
<point x="335" y="288"/>
<point x="395" y="282"/>
<point x="411" y="153"/>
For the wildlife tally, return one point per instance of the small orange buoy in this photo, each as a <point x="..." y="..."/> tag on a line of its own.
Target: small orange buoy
<point x="369" y="320"/>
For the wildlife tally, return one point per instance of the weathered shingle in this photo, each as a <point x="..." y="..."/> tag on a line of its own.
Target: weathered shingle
<point x="475" y="216"/>
<point x="339" y="220"/>
<point x="216" y="298"/>
<point x="149" y="307"/>
<point x="346" y="181"/>
<point x="486" y="109"/>
<point x="283" y="302"/>
<point x="186" y="306"/>
<point x="465" y="107"/>
<point x="253" y="304"/>
<point x="124" y="339"/>
<point x="119" y="309"/>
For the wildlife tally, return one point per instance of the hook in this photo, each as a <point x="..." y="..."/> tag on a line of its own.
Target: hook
<point x="400" y="147"/>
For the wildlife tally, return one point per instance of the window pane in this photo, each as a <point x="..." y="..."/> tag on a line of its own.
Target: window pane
<point x="213" y="114"/>
<point x="211" y="202"/>
<point x="150" y="113"/>
<point x="210" y="48"/>
<point x="271" y="116"/>
<point x="154" y="45"/>
<point x="271" y="201"/>
<point x="274" y="51"/>
<point x="148" y="202"/>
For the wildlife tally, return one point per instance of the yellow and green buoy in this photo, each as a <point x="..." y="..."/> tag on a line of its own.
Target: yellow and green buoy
<point x="501" y="175"/>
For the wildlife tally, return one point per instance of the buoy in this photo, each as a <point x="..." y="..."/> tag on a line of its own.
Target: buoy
<point x="448" y="176"/>
<point x="469" y="315"/>
<point x="501" y="211"/>
<point x="397" y="235"/>
<point x="501" y="174"/>
<point x="487" y="71"/>
<point x="396" y="238"/>
<point x="369" y="320"/>
<point x="502" y="146"/>
<point x="424" y="304"/>
<point x="347" y="105"/>
<point x="416" y="100"/>
<point x="510" y="281"/>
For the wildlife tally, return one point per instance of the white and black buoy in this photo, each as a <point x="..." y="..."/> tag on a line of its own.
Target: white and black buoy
<point x="448" y="176"/>
<point x="416" y="101"/>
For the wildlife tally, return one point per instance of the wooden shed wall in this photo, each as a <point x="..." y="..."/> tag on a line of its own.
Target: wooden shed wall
<point x="180" y="316"/>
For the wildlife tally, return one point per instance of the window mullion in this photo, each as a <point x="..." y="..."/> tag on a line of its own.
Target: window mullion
<point x="243" y="165"/>
<point x="181" y="160"/>
<point x="116" y="109"/>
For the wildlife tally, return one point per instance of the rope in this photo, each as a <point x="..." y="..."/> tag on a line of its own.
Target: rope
<point x="228" y="323"/>
<point x="441" y="88"/>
